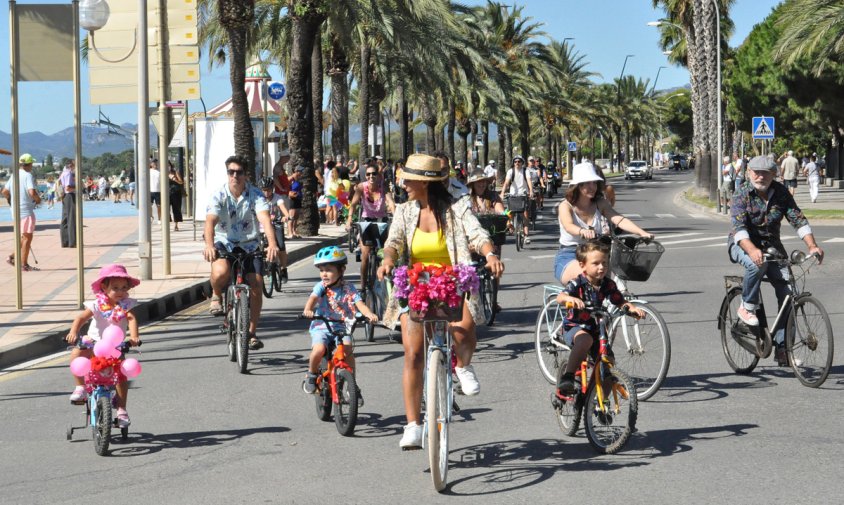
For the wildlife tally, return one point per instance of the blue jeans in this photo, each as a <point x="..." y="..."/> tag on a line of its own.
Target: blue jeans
<point x="564" y="256"/>
<point x="752" y="282"/>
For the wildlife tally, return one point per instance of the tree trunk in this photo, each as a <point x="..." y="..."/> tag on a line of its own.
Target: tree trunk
<point x="501" y="169"/>
<point x="440" y="137"/>
<point x="339" y="69"/>
<point x="430" y="120"/>
<point x="363" y="102"/>
<point x="508" y="149"/>
<point x="713" y="175"/>
<point x="524" y="133"/>
<point x="449" y="135"/>
<point x="316" y="95"/>
<point x="485" y="140"/>
<point x="700" y="90"/>
<point x="405" y="148"/>
<point x="304" y="30"/>
<point x="236" y="17"/>
<point x="549" y="144"/>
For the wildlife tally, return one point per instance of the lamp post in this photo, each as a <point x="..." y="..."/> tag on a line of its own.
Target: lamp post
<point x="656" y="80"/>
<point x="618" y="102"/>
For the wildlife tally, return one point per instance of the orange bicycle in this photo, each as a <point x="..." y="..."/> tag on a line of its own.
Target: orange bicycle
<point x="337" y="390"/>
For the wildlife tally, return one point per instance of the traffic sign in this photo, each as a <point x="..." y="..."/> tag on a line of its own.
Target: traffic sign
<point x="276" y="90"/>
<point x="763" y="128"/>
<point x="572" y="146"/>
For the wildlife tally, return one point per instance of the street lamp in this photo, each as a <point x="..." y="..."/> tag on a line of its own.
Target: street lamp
<point x="618" y="102"/>
<point x="656" y="80"/>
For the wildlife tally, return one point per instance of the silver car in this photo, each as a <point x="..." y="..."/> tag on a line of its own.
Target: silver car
<point x="638" y="169"/>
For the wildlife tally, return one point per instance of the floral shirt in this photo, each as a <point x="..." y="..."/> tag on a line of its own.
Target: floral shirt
<point x="238" y="218"/>
<point x="579" y="287"/>
<point x="336" y="302"/>
<point x="755" y="219"/>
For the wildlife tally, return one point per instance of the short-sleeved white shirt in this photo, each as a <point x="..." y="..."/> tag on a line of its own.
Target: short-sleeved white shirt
<point x="27" y="181"/>
<point x="100" y="323"/>
<point x="238" y="218"/>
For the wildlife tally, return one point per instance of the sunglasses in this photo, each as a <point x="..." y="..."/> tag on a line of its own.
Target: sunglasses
<point x="235" y="173"/>
<point x="371" y="174"/>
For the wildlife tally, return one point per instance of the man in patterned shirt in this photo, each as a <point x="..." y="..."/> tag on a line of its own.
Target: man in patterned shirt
<point x="758" y="208"/>
<point x="231" y="222"/>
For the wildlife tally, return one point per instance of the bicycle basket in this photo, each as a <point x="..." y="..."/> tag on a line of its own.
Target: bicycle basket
<point x="632" y="260"/>
<point x="496" y="226"/>
<point x="439" y="312"/>
<point x="517" y="203"/>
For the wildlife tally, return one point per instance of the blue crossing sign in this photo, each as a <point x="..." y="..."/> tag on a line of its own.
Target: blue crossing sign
<point x="572" y="146"/>
<point x="763" y="128"/>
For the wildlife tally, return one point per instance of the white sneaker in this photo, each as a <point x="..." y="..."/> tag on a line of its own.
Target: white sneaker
<point x="79" y="394"/>
<point x="747" y="316"/>
<point x="468" y="380"/>
<point x="412" y="438"/>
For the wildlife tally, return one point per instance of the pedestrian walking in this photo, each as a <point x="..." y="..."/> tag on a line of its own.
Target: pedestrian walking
<point x="177" y="188"/>
<point x="790" y="165"/>
<point x="67" y="182"/>
<point x="28" y="198"/>
<point x="155" y="187"/>
<point x="728" y="177"/>
<point x="813" y="175"/>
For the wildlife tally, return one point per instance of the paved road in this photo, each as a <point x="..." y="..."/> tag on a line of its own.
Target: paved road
<point x="203" y="433"/>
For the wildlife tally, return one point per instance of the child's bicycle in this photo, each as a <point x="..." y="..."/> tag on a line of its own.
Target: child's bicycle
<point x="335" y="379"/>
<point x="609" y="414"/>
<point x="102" y="398"/>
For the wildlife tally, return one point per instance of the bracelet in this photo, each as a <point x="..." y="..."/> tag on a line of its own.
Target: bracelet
<point x="491" y="253"/>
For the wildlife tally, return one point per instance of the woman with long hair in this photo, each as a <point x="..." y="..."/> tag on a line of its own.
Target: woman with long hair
<point x="432" y="228"/>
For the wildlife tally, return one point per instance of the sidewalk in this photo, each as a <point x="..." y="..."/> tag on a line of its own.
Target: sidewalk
<point x="50" y="295"/>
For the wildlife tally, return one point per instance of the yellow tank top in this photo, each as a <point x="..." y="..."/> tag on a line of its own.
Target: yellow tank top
<point x="429" y="248"/>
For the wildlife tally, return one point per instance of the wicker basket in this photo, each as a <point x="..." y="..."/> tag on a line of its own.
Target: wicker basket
<point x="633" y="260"/>
<point x="496" y="226"/>
<point x="439" y="313"/>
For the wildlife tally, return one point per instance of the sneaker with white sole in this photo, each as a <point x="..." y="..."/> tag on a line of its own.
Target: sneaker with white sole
<point x="748" y="317"/>
<point x="412" y="438"/>
<point x="79" y="394"/>
<point x="468" y="380"/>
<point x="123" y="418"/>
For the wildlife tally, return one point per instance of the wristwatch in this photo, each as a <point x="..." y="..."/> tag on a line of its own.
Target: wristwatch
<point x="490" y="254"/>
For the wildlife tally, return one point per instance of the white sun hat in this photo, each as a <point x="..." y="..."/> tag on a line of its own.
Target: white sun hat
<point x="584" y="172"/>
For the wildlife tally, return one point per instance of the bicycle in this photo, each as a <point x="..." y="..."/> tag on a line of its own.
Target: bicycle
<point x="373" y="234"/>
<point x="337" y="389"/>
<point x="236" y="305"/>
<point x="516" y="206"/>
<point x="496" y="226"/>
<point x="102" y="398"/>
<point x="272" y="271"/>
<point x="808" y="330"/>
<point x="609" y="419"/>
<point x="646" y="354"/>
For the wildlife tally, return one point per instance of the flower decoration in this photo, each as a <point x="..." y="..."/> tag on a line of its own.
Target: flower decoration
<point x="425" y="286"/>
<point x="111" y="311"/>
<point x="99" y="365"/>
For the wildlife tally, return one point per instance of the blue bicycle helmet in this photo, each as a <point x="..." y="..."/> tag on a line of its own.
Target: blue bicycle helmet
<point x="331" y="255"/>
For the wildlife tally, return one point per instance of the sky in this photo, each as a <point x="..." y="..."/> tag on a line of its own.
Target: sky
<point x="604" y="32"/>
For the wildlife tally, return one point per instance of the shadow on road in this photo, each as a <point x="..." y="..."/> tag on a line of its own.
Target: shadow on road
<point x="147" y="443"/>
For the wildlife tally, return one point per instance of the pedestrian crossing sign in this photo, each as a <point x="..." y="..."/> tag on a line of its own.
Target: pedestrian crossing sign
<point x="763" y="128"/>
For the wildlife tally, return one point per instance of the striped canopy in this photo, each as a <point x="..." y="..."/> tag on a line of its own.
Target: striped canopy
<point x="253" y="96"/>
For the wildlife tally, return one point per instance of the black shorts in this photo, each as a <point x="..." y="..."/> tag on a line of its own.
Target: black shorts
<point x="296" y="203"/>
<point x="156" y="198"/>
<point x="790" y="183"/>
<point x="254" y="266"/>
<point x="372" y="235"/>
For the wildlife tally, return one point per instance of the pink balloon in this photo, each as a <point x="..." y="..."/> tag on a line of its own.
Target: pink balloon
<point x="131" y="368"/>
<point x="113" y="333"/>
<point x="80" y="366"/>
<point x="102" y="349"/>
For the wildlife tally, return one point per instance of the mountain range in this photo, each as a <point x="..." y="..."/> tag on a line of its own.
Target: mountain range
<point x="95" y="141"/>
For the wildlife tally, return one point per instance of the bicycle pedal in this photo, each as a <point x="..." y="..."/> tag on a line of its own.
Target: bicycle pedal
<point x="78" y="402"/>
<point x="455" y="408"/>
<point x="412" y="448"/>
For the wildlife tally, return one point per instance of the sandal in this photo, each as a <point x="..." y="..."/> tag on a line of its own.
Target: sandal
<point x="255" y="343"/>
<point x="216" y="308"/>
<point x="29" y="268"/>
<point x="10" y="260"/>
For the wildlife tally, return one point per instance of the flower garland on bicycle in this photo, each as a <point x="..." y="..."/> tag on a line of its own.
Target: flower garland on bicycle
<point x="433" y="228"/>
<point x="232" y="217"/>
<point x="332" y="298"/>
<point x="592" y="286"/>
<point x="112" y="306"/>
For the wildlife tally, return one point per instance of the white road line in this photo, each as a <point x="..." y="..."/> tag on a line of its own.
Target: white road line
<point x="705" y="239"/>
<point x="678" y="235"/>
<point x="666" y="216"/>
<point x="833" y="240"/>
<point x="637" y="216"/>
<point x="697" y="216"/>
<point x="543" y="257"/>
<point x="724" y="245"/>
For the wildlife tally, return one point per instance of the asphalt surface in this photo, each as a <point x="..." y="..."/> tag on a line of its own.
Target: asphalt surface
<point x="202" y="433"/>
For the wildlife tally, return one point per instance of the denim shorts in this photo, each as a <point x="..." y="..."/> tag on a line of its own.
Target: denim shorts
<point x="564" y="255"/>
<point x="324" y="337"/>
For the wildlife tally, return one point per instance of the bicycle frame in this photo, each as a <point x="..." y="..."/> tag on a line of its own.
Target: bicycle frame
<point x="438" y="339"/>
<point x="337" y="360"/>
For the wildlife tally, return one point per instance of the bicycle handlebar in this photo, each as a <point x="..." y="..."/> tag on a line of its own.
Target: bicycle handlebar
<point x="359" y="318"/>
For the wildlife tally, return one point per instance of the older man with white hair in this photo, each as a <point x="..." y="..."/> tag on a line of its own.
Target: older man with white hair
<point x="790" y="165"/>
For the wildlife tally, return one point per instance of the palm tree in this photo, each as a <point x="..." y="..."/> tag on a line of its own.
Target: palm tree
<point x="235" y="17"/>
<point x="812" y="29"/>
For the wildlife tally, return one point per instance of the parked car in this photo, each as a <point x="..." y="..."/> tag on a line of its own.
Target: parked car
<point x="639" y="169"/>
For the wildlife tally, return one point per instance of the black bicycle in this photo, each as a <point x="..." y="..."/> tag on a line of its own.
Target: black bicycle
<point x="236" y="305"/>
<point x="516" y="205"/>
<point x="374" y="235"/>
<point x="272" y="275"/>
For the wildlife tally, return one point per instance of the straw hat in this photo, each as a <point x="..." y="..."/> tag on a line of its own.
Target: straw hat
<point x="584" y="172"/>
<point x="478" y="175"/>
<point x="421" y="167"/>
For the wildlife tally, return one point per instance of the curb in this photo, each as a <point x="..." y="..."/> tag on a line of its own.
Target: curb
<point x="681" y="201"/>
<point x="156" y="309"/>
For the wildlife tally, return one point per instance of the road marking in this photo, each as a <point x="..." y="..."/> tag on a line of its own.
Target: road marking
<point x="689" y="241"/>
<point x="666" y="216"/>
<point x="697" y="216"/>
<point x="637" y="216"/>
<point x="833" y="240"/>
<point x="543" y="257"/>
<point x="678" y="235"/>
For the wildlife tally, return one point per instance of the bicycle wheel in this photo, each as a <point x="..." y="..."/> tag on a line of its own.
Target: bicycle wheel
<point x="231" y="328"/>
<point x="279" y="284"/>
<point x="242" y="331"/>
<point x="534" y="210"/>
<point x="487" y="296"/>
<point x="269" y="280"/>
<point x="436" y="418"/>
<point x="809" y="341"/>
<point x="642" y="349"/>
<point x="323" y="396"/>
<point x="609" y="428"/>
<point x="518" y="231"/>
<point x="736" y="345"/>
<point x="372" y="303"/>
<point x="568" y="412"/>
<point x="102" y="425"/>
<point x="346" y="411"/>
<point x="551" y="351"/>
